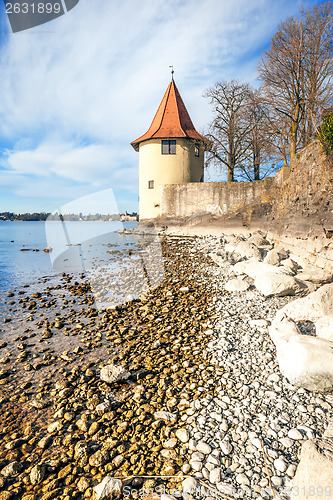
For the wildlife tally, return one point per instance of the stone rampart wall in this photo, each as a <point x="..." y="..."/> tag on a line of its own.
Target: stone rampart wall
<point x="220" y="198"/>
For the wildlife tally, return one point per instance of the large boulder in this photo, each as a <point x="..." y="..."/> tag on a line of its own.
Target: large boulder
<point x="290" y="265"/>
<point x="220" y="260"/>
<point x="274" y="256"/>
<point x="236" y="285"/>
<point x="278" y="284"/>
<point x="314" y="474"/>
<point x="244" y="249"/>
<point x="254" y="268"/>
<point x="324" y="327"/>
<point x="312" y="307"/>
<point x="315" y="275"/>
<point x="304" y="360"/>
<point x="269" y="279"/>
<point x="259" y="240"/>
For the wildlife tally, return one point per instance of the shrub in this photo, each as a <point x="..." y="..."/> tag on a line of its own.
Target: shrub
<point x="325" y="133"/>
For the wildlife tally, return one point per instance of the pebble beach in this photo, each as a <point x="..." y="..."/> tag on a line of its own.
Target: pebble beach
<point x="196" y="403"/>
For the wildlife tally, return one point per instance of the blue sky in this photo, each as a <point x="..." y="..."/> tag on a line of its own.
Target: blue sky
<point x="76" y="91"/>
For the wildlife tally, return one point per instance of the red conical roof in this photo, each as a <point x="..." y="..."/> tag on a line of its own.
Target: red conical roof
<point x="171" y="120"/>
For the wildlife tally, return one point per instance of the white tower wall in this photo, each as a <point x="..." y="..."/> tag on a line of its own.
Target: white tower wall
<point x="184" y="166"/>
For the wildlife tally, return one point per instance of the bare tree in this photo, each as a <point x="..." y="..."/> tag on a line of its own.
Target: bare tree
<point x="261" y="158"/>
<point x="296" y="73"/>
<point x="319" y="65"/>
<point x="229" y="127"/>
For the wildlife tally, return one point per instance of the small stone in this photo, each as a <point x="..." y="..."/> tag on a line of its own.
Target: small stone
<point x="295" y="434"/>
<point x="204" y="447"/>
<point x="118" y="460"/>
<point x="6" y="495"/>
<point x="171" y="443"/>
<point x="226" y="447"/>
<point x="102" y="407"/>
<point x="65" y="471"/>
<point x="182" y="435"/>
<point x="99" y="458"/>
<point x="280" y="465"/>
<point x="54" y="427"/>
<point x="186" y="468"/>
<point x="291" y="470"/>
<point x="44" y="442"/>
<point x="215" y="476"/>
<point x="276" y="481"/>
<point x="242" y="479"/>
<point x="83" y="484"/>
<point x="197" y="466"/>
<point x="286" y="442"/>
<point x="189" y="485"/>
<point x="94" y="427"/>
<point x="166" y="416"/>
<point x="197" y="456"/>
<point x="80" y="450"/>
<point x="257" y="443"/>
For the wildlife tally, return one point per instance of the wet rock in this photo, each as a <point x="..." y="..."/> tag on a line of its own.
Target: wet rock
<point x="54" y="427"/>
<point x="44" y="442"/>
<point x="99" y="458"/>
<point x="114" y="373"/>
<point x="166" y="416"/>
<point x="80" y="450"/>
<point x="37" y="474"/>
<point x="11" y="469"/>
<point x="83" y="484"/>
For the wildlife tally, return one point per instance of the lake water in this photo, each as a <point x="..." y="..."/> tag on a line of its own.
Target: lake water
<point x="18" y="267"/>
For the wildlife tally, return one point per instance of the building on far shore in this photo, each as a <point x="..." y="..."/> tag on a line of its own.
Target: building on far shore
<point x="170" y="152"/>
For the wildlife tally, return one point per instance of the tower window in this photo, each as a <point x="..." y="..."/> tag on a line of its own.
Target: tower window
<point x="169" y="147"/>
<point x="197" y="150"/>
<point x="150" y="184"/>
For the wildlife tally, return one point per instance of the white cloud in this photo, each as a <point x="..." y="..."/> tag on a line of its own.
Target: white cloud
<point x="96" y="75"/>
<point x="84" y="164"/>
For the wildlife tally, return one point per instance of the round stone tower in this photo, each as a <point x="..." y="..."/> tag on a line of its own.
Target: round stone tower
<point x="170" y="152"/>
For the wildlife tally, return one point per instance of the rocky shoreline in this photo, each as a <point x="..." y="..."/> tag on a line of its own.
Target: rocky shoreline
<point x="203" y="403"/>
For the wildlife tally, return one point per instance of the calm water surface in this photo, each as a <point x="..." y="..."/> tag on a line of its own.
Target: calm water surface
<point x="18" y="268"/>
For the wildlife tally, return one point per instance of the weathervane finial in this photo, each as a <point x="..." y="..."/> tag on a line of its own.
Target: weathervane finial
<point x="172" y="72"/>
